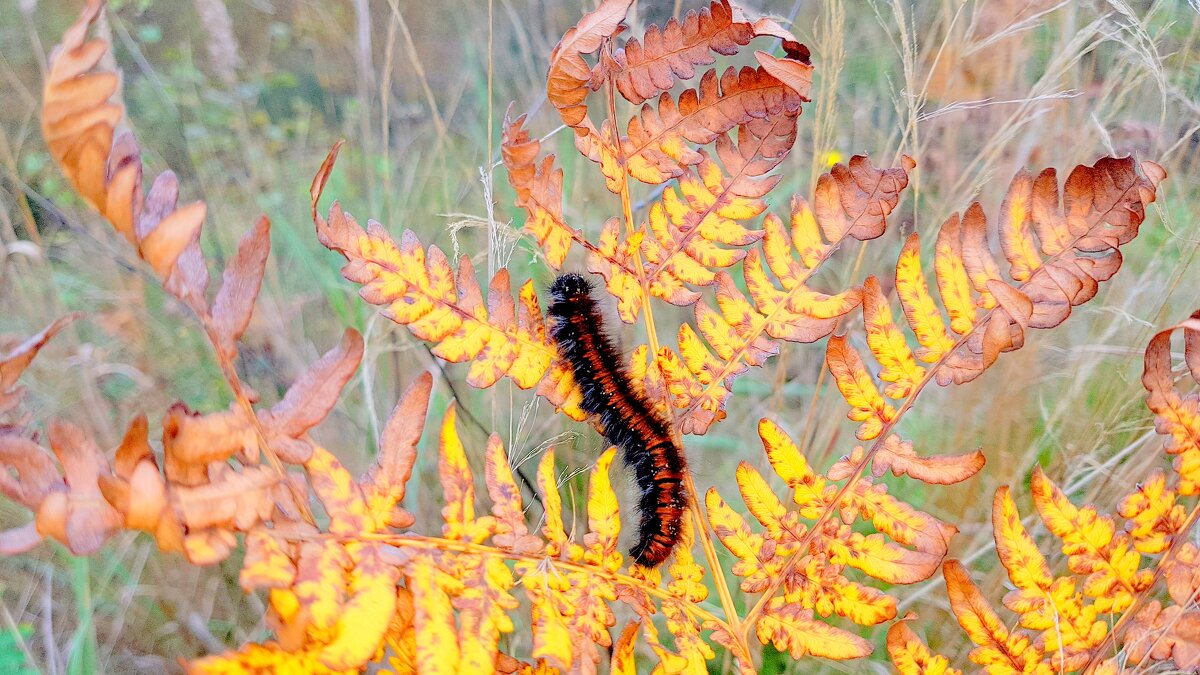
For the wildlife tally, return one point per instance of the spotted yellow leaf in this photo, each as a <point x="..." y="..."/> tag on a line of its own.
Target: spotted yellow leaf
<point x="999" y="651"/>
<point x="911" y="656"/>
<point x="1155" y="514"/>
<point x="1016" y="215"/>
<point x="792" y="629"/>
<point x="867" y="405"/>
<point x="604" y="519"/>
<point x="437" y="648"/>
<point x="888" y="345"/>
<point x="920" y="310"/>
<point x="1108" y="560"/>
<point x="458" y="486"/>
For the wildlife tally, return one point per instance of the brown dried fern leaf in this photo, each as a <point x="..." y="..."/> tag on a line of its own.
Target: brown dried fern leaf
<point x="665" y="55"/>
<point x="79" y="123"/>
<point x="657" y="146"/>
<point x="79" y="120"/>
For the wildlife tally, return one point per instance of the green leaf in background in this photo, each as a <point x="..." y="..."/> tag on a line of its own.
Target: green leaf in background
<point x="12" y="653"/>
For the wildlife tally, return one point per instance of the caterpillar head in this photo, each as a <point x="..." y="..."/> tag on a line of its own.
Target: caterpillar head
<point x="570" y="288"/>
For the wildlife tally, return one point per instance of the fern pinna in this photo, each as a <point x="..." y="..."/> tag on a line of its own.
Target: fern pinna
<point x="364" y="582"/>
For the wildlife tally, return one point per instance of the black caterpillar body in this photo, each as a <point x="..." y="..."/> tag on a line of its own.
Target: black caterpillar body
<point x="624" y="415"/>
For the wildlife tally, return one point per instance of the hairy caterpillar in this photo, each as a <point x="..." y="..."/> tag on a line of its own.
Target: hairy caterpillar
<point x="625" y="417"/>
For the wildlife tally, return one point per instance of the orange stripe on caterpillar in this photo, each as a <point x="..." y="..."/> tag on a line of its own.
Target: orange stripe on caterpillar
<point x="624" y="416"/>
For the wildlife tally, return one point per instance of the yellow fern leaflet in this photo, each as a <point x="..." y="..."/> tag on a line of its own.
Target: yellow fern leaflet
<point x="867" y="405"/>
<point x="911" y="656"/>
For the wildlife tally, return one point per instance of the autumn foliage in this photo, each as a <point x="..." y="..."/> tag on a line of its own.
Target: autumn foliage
<point x="351" y="579"/>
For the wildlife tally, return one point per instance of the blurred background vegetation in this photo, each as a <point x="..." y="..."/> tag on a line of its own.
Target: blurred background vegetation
<point x="243" y="98"/>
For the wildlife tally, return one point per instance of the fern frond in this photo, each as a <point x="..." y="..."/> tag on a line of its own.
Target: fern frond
<point x="1104" y="205"/>
<point x="1069" y="626"/>
<point x="685" y="235"/>
<point x="1071" y="615"/>
<point x="654" y="150"/>
<point x="816" y="583"/>
<point x="79" y="123"/>
<point x="1073" y="619"/>
<point x="1156" y="522"/>
<point x="419" y="290"/>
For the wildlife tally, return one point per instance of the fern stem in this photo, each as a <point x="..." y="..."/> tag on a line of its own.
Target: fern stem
<point x="710" y="554"/>
<point x="703" y="531"/>
<point x="439" y="544"/>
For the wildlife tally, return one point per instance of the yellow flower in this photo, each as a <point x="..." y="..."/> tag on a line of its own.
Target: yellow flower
<point x="830" y="157"/>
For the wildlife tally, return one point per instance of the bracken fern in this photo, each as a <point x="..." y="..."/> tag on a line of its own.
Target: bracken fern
<point x="360" y="581"/>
